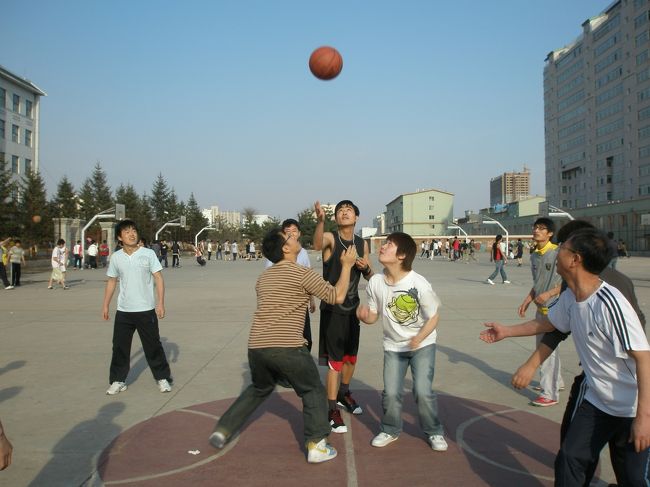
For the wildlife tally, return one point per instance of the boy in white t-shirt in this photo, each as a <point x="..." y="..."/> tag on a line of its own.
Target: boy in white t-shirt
<point x="139" y="306"/>
<point x="409" y="311"/>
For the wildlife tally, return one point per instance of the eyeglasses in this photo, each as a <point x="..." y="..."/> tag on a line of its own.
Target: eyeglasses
<point x="540" y="227"/>
<point x="564" y="247"/>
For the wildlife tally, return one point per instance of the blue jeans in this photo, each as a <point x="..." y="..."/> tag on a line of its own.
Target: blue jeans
<point x="498" y="269"/>
<point x="268" y="365"/>
<point x="422" y="362"/>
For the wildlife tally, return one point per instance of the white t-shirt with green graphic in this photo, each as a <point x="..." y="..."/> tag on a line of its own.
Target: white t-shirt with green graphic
<point x="404" y="308"/>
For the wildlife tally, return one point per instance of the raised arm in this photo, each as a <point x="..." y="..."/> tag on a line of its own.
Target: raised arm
<point x="496" y="331"/>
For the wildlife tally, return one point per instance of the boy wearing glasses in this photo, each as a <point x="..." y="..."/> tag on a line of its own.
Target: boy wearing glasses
<point x="544" y="293"/>
<point x="615" y="356"/>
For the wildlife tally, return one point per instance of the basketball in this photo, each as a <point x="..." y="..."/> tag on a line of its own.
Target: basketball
<point x="36" y="219"/>
<point x="325" y="63"/>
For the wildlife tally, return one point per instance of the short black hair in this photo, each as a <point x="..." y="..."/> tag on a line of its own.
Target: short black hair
<point x="272" y="245"/>
<point x="346" y="203"/>
<point x="60" y="241"/>
<point x="569" y="228"/>
<point x="406" y="246"/>
<point x="288" y="222"/>
<point x="547" y="222"/>
<point x="593" y="246"/>
<point x="123" y="225"/>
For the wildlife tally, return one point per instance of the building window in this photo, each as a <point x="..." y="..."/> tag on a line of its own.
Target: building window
<point x="14" y="164"/>
<point x="432" y="217"/>
<point x="14" y="133"/>
<point x="431" y="198"/>
<point x="2" y="129"/>
<point x="16" y="104"/>
<point x="3" y="97"/>
<point x="28" y="166"/>
<point x="2" y="161"/>
<point x="28" y="138"/>
<point x="29" y="109"/>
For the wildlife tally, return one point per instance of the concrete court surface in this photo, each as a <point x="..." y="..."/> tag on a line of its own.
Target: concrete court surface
<point x="55" y="352"/>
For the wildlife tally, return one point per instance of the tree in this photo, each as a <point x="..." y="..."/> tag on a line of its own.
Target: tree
<point x="64" y="203"/>
<point x="160" y="200"/>
<point x="95" y="194"/>
<point x="127" y="196"/>
<point x="33" y="209"/>
<point x="9" y="223"/>
<point x="195" y="219"/>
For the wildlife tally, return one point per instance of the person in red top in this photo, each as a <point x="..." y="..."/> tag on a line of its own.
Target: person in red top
<point x="103" y="253"/>
<point x="498" y="256"/>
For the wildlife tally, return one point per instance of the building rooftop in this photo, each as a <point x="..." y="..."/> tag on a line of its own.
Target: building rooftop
<point x="24" y="83"/>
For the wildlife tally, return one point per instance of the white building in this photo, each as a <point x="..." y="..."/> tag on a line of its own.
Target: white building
<point x="19" y="124"/>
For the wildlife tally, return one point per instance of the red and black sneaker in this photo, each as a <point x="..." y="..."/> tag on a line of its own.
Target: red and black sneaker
<point x="336" y="422"/>
<point x="347" y="401"/>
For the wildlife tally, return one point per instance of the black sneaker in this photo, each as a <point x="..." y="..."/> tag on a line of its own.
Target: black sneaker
<point x="336" y="422"/>
<point x="347" y="401"/>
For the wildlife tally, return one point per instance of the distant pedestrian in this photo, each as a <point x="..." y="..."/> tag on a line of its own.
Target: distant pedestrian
<point x="520" y="252"/>
<point x="226" y="249"/>
<point x="58" y="261"/>
<point x="234" y="248"/>
<point x="103" y="253"/>
<point x="17" y="259"/>
<point x="76" y="253"/>
<point x="219" y="255"/>
<point x="164" y="250"/>
<point x="176" y="254"/>
<point x="4" y="255"/>
<point x="499" y="257"/>
<point x="138" y="308"/>
<point x="209" y="249"/>
<point x="92" y="254"/>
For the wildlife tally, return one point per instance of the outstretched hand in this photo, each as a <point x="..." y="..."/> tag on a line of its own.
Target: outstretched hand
<point x="495" y="332"/>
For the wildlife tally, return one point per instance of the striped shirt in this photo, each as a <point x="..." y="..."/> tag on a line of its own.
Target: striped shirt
<point x="604" y="328"/>
<point x="282" y="298"/>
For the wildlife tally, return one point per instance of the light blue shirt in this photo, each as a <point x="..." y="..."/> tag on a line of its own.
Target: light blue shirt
<point x="135" y="273"/>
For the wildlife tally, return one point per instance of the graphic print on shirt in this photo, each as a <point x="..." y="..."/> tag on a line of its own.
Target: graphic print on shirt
<point x="404" y="308"/>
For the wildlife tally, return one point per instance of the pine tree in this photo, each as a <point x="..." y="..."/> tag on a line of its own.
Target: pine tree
<point x="36" y="220"/>
<point x="64" y="204"/>
<point x="9" y="223"/>
<point x="160" y="199"/>
<point x="195" y="219"/>
<point x="128" y="196"/>
<point x="103" y="195"/>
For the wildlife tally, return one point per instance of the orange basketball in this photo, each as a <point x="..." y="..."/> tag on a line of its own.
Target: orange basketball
<point x="325" y="63"/>
<point x="36" y="219"/>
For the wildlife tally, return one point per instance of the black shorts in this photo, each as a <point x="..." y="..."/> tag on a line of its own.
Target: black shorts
<point x="339" y="339"/>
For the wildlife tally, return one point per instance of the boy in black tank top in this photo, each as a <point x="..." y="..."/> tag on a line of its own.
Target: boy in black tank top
<point x="339" y="326"/>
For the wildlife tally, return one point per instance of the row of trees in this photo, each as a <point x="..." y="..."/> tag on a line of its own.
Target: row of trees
<point x="27" y="213"/>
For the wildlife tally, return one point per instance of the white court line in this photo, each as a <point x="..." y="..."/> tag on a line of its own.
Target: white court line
<point x="350" y="463"/>
<point x="460" y="433"/>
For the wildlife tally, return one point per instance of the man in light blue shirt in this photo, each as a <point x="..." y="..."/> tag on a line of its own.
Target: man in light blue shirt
<point x="138" y="308"/>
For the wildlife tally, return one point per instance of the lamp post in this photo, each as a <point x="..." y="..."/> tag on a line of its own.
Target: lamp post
<point x="492" y="221"/>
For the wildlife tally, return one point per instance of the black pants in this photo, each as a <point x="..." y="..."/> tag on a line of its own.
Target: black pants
<point x="77" y="261"/>
<point x="3" y="275"/>
<point x="617" y="444"/>
<point x="587" y="434"/>
<point x="146" y="323"/>
<point x="306" y="332"/>
<point x="268" y="366"/>
<point x="15" y="274"/>
<point x="175" y="260"/>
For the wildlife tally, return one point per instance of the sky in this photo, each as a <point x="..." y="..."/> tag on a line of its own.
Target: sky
<point x="217" y="95"/>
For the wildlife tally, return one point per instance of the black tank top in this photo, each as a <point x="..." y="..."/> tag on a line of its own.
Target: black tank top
<point x="332" y="272"/>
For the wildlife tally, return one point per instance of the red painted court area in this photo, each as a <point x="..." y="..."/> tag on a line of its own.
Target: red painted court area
<point x="489" y="444"/>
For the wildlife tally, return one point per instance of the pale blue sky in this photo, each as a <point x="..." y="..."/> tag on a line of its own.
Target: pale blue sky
<point x="218" y="97"/>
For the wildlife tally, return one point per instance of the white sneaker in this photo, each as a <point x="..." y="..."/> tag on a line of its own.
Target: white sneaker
<point x="383" y="439"/>
<point x="489" y="281"/>
<point x="506" y="282"/>
<point x="164" y="386"/>
<point x="9" y="287"/>
<point x="217" y="439"/>
<point x="318" y="452"/>
<point x="438" y="443"/>
<point x="116" y="388"/>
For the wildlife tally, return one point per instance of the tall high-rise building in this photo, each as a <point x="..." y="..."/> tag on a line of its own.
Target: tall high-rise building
<point x="597" y="111"/>
<point x="510" y="187"/>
